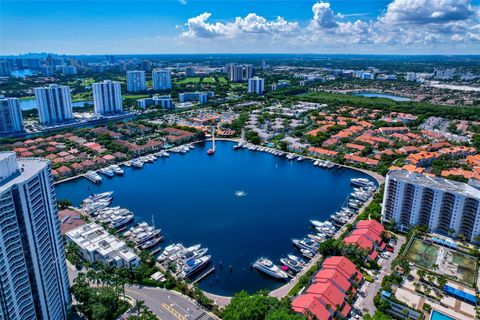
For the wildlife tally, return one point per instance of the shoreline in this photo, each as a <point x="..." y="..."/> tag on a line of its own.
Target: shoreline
<point x="282" y="291"/>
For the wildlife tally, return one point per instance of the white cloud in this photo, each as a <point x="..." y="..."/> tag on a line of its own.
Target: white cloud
<point x="184" y="2"/>
<point x="405" y="24"/>
<point x="251" y="25"/>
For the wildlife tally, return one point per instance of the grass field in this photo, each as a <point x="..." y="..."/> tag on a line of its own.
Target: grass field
<point x="222" y="80"/>
<point x="190" y="80"/>
<point x="209" y="80"/>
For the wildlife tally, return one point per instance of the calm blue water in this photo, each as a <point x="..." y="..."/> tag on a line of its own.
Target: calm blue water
<point x="29" y="104"/>
<point x="192" y="199"/>
<point x="382" y="95"/>
<point x="439" y="316"/>
<point x="22" y="73"/>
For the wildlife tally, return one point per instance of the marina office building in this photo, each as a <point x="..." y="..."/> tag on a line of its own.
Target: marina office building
<point x="33" y="273"/>
<point x="97" y="245"/>
<point x="445" y="206"/>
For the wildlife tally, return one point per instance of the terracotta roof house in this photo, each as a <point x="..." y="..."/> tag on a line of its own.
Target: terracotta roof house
<point x="323" y="152"/>
<point x="335" y="277"/>
<point x="331" y="297"/>
<point x="345" y="267"/>
<point x="309" y="305"/>
<point x="64" y="171"/>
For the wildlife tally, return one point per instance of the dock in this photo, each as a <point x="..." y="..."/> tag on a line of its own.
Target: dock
<point x="204" y="274"/>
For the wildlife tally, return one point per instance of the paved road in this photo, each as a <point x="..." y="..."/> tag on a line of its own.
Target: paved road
<point x="365" y="304"/>
<point x="166" y="304"/>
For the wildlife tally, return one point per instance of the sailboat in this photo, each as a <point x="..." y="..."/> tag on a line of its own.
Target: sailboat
<point x="211" y="151"/>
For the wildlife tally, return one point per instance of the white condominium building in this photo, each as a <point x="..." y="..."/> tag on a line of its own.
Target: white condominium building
<point x="446" y="207"/>
<point x="164" y="102"/>
<point x="235" y="72"/>
<point x="11" y="120"/>
<point x="162" y="79"/>
<point x="33" y="273"/>
<point x="136" y="81"/>
<point x="256" y="85"/>
<point x="107" y="97"/>
<point x="97" y="245"/>
<point x="54" y="104"/>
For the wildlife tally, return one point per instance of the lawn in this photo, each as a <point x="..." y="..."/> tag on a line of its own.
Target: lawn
<point x="222" y="80"/>
<point x="189" y="80"/>
<point x="87" y="82"/>
<point x="209" y="80"/>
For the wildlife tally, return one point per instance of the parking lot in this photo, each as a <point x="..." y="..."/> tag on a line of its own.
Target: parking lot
<point x="366" y="293"/>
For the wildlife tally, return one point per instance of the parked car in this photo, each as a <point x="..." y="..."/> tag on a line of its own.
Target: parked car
<point x="390" y="249"/>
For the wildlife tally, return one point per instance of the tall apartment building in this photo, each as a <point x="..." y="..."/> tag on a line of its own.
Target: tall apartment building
<point x="162" y="79"/>
<point x="11" y="120"/>
<point x="33" y="272"/>
<point x="136" y="81"/>
<point x="248" y="71"/>
<point x="107" y="97"/>
<point x="190" y="71"/>
<point x="256" y="85"/>
<point x="235" y="72"/>
<point x="4" y="69"/>
<point x="411" y="76"/>
<point x="54" y="104"/>
<point x="446" y="207"/>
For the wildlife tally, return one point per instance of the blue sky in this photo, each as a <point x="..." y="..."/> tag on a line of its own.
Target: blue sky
<point x="230" y="26"/>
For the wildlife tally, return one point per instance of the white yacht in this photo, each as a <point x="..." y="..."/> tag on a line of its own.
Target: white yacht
<point x="117" y="170"/>
<point x="107" y="171"/>
<point x="193" y="255"/>
<point x="361" y="182"/>
<point x="121" y="220"/>
<point x="137" y="163"/>
<point x="195" y="265"/>
<point x="307" y="253"/>
<point x="269" y="268"/>
<point x="98" y="196"/>
<point x="316" y="223"/>
<point x="296" y="264"/>
<point x="170" y="250"/>
<point x="93" y="177"/>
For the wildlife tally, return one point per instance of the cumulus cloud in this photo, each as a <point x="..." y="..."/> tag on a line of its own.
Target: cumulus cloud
<point x="252" y="24"/>
<point x="414" y="23"/>
<point x="323" y="16"/>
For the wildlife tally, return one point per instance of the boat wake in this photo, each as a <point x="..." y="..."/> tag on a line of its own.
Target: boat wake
<point x="240" y="194"/>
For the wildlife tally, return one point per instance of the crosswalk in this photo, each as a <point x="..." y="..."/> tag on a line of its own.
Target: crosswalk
<point x="204" y="316"/>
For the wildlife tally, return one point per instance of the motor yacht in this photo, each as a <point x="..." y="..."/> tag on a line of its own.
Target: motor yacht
<point x="361" y="182"/>
<point x="93" y="177"/>
<point x="107" y="171"/>
<point x="269" y="268"/>
<point x="195" y="265"/>
<point x="170" y="250"/>
<point x="98" y="196"/>
<point x="307" y="253"/>
<point x="294" y="265"/>
<point x="117" y="170"/>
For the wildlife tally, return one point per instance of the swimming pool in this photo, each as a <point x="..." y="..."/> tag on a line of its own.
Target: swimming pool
<point x="436" y="315"/>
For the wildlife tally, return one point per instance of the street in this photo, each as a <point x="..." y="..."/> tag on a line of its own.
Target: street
<point x="166" y="304"/>
<point x="365" y="302"/>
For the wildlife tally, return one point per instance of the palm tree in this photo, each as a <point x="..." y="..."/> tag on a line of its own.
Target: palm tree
<point x="139" y="305"/>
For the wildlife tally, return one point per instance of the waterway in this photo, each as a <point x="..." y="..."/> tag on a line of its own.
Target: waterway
<point x="382" y="95"/>
<point x="192" y="198"/>
<point x="28" y="104"/>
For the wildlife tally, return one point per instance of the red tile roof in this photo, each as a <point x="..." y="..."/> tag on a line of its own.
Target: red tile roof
<point x="308" y="304"/>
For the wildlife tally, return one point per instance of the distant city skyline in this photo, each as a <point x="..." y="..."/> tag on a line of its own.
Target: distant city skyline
<point x="248" y="26"/>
